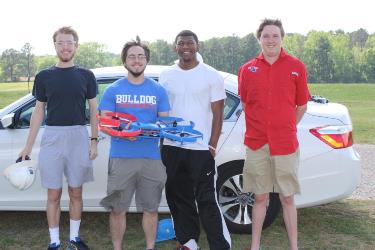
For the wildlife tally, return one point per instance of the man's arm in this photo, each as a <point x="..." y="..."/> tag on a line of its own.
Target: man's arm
<point x="217" y="124"/>
<point x="300" y="111"/>
<point x="93" y="107"/>
<point x="37" y="117"/>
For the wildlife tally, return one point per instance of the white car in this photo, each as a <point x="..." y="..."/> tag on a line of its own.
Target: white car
<point x="329" y="169"/>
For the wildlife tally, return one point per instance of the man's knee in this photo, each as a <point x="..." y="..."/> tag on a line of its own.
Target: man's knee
<point x="261" y="199"/>
<point x="287" y="201"/>
<point x="54" y="195"/>
<point x="116" y="212"/>
<point x="75" y="194"/>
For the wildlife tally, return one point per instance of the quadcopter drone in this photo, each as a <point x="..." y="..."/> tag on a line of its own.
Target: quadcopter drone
<point x="125" y="125"/>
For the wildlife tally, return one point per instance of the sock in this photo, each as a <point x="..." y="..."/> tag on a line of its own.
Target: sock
<point x="74" y="229"/>
<point x="54" y="234"/>
<point x="191" y="244"/>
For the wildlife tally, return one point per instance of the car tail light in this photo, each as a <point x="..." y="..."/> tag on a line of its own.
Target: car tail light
<point x="334" y="136"/>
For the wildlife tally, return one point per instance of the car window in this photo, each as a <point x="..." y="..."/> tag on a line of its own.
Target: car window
<point x="230" y="105"/>
<point x="102" y="85"/>
<point x="23" y="115"/>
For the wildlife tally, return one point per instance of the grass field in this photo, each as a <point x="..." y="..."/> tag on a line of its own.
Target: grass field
<point x="9" y="92"/>
<point x="345" y="225"/>
<point x="359" y="98"/>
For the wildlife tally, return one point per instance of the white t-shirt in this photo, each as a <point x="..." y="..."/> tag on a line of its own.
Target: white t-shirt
<point x="190" y="95"/>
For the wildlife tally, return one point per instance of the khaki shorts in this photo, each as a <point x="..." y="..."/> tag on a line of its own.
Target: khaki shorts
<point x="143" y="177"/>
<point x="264" y="173"/>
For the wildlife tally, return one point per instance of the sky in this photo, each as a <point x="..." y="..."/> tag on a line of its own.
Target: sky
<point x="114" y="22"/>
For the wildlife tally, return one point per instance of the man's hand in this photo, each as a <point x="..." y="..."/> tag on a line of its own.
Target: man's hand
<point x="213" y="152"/>
<point x="25" y="152"/>
<point x="93" y="150"/>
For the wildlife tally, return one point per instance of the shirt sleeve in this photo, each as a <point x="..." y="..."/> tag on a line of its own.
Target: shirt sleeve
<point x="241" y="89"/>
<point x="217" y="88"/>
<point x="108" y="101"/>
<point x="162" y="79"/>
<point x="302" y="90"/>
<point x="92" y="86"/>
<point x="163" y="103"/>
<point x="39" y="91"/>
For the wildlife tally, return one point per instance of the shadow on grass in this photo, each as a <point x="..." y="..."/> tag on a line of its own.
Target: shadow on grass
<point x="349" y="224"/>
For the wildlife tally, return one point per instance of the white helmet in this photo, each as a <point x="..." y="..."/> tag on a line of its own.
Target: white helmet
<point x="22" y="174"/>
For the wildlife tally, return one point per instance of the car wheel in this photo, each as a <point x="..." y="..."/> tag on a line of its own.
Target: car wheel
<point x="236" y="205"/>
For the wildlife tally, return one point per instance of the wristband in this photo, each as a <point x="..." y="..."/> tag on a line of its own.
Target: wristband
<point x="210" y="147"/>
<point x="94" y="139"/>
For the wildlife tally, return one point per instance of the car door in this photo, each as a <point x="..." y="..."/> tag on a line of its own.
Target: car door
<point x="12" y="142"/>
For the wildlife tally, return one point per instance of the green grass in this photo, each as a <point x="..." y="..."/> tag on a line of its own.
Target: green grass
<point x="359" y="98"/>
<point x="349" y="224"/>
<point x="9" y="92"/>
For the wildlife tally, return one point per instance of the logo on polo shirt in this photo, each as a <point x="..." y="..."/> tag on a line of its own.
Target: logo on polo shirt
<point x="253" y="68"/>
<point x="295" y="73"/>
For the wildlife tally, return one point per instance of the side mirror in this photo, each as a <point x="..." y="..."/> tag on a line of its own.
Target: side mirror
<point x="7" y="120"/>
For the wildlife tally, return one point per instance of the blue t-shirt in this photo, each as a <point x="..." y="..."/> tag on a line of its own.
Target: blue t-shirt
<point x="144" y="101"/>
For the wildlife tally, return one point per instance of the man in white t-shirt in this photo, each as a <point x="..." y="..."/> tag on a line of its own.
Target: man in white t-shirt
<point x="196" y="93"/>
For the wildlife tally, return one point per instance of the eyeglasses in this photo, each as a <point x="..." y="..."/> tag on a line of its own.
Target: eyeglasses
<point x="67" y="43"/>
<point x="134" y="57"/>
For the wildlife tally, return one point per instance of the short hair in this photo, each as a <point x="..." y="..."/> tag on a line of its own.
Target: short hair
<point x="136" y="42"/>
<point x="186" y="33"/>
<point x="266" y="22"/>
<point x="66" y="30"/>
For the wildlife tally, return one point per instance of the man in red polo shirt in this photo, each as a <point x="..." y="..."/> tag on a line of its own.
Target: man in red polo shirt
<point x="274" y="94"/>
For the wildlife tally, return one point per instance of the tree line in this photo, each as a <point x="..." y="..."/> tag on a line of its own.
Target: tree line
<point x="330" y="57"/>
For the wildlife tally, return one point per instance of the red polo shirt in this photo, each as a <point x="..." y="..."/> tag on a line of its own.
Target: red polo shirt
<point x="271" y="94"/>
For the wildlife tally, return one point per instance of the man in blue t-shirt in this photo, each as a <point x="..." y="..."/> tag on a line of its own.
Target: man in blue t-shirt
<point x="134" y="164"/>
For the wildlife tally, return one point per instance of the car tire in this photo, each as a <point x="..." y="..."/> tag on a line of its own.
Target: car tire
<point x="235" y="205"/>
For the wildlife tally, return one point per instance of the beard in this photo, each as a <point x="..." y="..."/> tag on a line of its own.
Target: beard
<point x="134" y="73"/>
<point x="65" y="59"/>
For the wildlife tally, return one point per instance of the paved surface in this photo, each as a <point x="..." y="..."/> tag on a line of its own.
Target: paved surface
<point x="366" y="189"/>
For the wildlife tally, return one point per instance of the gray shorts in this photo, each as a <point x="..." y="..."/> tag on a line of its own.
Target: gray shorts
<point x="143" y="177"/>
<point x="64" y="150"/>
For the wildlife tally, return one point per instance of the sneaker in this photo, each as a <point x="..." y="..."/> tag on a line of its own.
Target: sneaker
<point x="77" y="244"/>
<point x="53" y="246"/>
